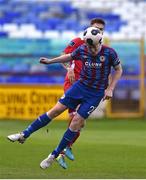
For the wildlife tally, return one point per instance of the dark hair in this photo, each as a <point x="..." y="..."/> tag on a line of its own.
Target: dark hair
<point x="97" y="20"/>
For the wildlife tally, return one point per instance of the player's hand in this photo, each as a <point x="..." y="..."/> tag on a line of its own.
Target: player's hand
<point x="71" y="75"/>
<point x="108" y="94"/>
<point x="43" y="60"/>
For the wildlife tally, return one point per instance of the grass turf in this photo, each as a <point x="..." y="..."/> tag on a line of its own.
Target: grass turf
<point x="105" y="149"/>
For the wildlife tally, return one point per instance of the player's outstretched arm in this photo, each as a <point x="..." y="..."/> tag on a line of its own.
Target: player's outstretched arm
<point x="66" y="65"/>
<point x="59" y="59"/>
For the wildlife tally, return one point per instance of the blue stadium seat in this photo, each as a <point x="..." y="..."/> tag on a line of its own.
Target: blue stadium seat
<point x="3" y="34"/>
<point x="126" y="84"/>
<point x="63" y="17"/>
<point x="5" y="67"/>
<point x="22" y="67"/>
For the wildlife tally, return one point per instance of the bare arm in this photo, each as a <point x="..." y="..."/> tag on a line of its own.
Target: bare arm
<point x="114" y="80"/>
<point x="59" y="59"/>
<point x="66" y="65"/>
<point x="116" y="76"/>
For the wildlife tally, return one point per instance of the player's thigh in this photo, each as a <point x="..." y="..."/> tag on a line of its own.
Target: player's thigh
<point x="56" y="110"/>
<point x="87" y="107"/>
<point x="69" y="102"/>
<point x="72" y="97"/>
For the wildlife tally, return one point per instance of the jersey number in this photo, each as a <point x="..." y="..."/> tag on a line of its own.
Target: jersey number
<point x="92" y="108"/>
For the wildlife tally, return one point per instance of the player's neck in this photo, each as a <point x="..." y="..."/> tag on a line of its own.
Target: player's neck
<point x="98" y="51"/>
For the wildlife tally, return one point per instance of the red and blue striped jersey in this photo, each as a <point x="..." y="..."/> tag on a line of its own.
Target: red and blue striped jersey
<point x="96" y="69"/>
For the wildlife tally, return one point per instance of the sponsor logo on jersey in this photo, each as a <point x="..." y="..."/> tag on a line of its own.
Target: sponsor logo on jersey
<point x="93" y="64"/>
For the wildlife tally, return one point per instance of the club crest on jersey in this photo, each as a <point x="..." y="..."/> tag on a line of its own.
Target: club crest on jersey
<point x="102" y="58"/>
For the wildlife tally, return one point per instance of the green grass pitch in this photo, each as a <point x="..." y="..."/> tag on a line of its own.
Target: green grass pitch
<point x="106" y="149"/>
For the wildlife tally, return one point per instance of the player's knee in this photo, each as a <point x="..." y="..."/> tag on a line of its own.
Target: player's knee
<point x="83" y="124"/>
<point x="77" y="124"/>
<point x="56" y="110"/>
<point x="53" y="113"/>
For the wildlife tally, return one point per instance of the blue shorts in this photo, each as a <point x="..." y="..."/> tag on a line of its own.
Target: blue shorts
<point x="88" y="98"/>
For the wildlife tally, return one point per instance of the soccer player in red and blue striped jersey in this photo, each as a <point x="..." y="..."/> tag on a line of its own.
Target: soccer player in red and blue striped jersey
<point x="73" y="74"/>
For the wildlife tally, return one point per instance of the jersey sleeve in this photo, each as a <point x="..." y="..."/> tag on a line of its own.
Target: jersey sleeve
<point x="114" y="58"/>
<point x="76" y="54"/>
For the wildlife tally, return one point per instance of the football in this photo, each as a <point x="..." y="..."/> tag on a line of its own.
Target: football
<point x="92" y="36"/>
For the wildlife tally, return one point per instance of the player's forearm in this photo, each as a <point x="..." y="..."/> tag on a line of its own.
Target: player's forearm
<point x="66" y="65"/>
<point x="59" y="59"/>
<point x="116" y="76"/>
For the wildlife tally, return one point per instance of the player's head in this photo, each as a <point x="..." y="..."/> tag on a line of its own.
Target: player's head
<point x="98" y="23"/>
<point x="93" y="39"/>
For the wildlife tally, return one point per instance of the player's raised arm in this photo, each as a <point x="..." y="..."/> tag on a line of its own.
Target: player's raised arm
<point x="59" y="59"/>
